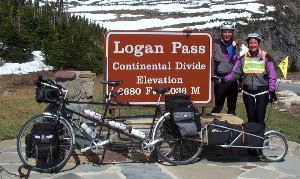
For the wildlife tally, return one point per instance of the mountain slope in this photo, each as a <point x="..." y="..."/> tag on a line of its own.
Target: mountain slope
<point x="276" y="20"/>
<point x="282" y="36"/>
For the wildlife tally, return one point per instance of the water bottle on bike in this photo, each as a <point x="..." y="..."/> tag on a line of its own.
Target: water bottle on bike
<point x="88" y="131"/>
<point x="92" y="114"/>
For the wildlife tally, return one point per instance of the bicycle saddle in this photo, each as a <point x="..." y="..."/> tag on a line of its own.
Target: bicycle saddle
<point x="161" y="90"/>
<point x="112" y="83"/>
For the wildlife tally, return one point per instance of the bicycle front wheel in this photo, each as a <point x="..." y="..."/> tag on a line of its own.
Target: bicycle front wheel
<point x="64" y="149"/>
<point x="275" y="147"/>
<point x="173" y="149"/>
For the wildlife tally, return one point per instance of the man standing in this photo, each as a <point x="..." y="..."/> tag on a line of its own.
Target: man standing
<point x="226" y="54"/>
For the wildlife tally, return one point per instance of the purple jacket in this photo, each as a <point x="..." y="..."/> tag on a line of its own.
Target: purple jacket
<point x="253" y="81"/>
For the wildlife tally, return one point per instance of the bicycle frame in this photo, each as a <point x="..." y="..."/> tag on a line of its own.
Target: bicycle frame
<point x="103" y="122"/>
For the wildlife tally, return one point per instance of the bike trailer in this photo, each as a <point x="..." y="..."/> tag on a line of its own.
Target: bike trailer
<point x="247" y="134"/>
<point x="185" y="118"/>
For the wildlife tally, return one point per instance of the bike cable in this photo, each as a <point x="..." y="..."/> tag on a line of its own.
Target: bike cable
<point x="269" y="111"/>
<point x="21" y="174"/>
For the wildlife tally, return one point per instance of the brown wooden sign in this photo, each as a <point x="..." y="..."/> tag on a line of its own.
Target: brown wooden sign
<point x="146" y="59"/>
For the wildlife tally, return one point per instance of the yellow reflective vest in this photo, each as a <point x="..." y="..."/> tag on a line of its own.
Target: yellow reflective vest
<point x="254" y="65"/>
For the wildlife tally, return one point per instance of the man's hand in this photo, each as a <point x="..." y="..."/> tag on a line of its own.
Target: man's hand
<point x="272" y="96"/>
<point x="188" y="30"/>
<point x="240" y="87"/>
<point x="217" y="80"/>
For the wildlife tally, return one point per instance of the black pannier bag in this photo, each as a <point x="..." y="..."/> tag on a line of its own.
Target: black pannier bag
<point x="256" y="129"/>
<point x="182" y="114"/>
<point x="177" y="101"/>
<point x="218" y="133"/>
<point x="42" y="142"/>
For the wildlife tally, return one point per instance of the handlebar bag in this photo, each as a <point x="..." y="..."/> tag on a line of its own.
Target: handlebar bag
<point x="45" y="94"/>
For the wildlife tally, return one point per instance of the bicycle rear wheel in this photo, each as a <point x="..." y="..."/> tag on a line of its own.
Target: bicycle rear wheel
<point x="173" y="149"/>
<point x="64" y="150"/>
<point x="275" y="147"/>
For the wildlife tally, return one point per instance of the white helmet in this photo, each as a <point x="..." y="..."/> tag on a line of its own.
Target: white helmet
<point x="253" y="36"/>
<point x="227" y="25"/>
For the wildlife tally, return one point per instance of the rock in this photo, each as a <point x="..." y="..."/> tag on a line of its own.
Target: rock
<point x="231" y="119"/>
<point x="290" y="101"/>
<point x="282" y="110"/>
<point x="65" y="75"/>
<point x="286" y="93"/>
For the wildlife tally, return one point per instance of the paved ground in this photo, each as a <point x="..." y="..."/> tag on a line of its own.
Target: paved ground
<point x="214" y="163"/>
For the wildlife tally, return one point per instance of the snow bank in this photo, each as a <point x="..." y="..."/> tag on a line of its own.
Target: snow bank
<point x="35" y="65"/>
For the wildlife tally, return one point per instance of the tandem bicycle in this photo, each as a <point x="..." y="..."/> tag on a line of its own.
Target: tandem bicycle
<point x="48" y="149"/>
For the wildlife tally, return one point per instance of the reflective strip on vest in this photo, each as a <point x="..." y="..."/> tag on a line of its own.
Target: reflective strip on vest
<point x="254" y="65"/>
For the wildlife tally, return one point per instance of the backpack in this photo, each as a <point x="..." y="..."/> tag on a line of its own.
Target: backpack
<point x="42" y="142"/>
<point x="183" y="116"/>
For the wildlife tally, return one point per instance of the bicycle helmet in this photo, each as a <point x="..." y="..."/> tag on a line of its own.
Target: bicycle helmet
<point x="227" y="25"/>
<point x="253" y="36"/>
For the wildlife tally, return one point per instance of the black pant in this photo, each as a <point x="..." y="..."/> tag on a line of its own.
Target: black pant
<point x="225" y="90"/>
<point x="256" y="110"/>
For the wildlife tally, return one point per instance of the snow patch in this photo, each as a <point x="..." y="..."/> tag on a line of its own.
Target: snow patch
<point x="35" y="65"/>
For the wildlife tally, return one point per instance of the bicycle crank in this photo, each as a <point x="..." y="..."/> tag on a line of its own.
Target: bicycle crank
<point x="146" y="146"/>
<point x="96" y="146"/>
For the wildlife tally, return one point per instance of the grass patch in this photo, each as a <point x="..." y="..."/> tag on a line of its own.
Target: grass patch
<point x="285" y="121"/>
<point x="15" y="111"/>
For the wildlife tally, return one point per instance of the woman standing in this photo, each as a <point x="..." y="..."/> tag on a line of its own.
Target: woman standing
<point x="259" y="80"/>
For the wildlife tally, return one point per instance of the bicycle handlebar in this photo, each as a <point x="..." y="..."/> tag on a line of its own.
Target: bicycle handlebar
<point x="62" y="92"/>
<point x="114" y="95"/>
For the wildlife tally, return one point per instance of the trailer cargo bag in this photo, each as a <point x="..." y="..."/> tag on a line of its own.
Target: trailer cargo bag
<point x="257" y="139"/>
<point x="218" y="133"/>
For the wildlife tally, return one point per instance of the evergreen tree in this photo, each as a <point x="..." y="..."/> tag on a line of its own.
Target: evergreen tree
<point x="68" y="42"/>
